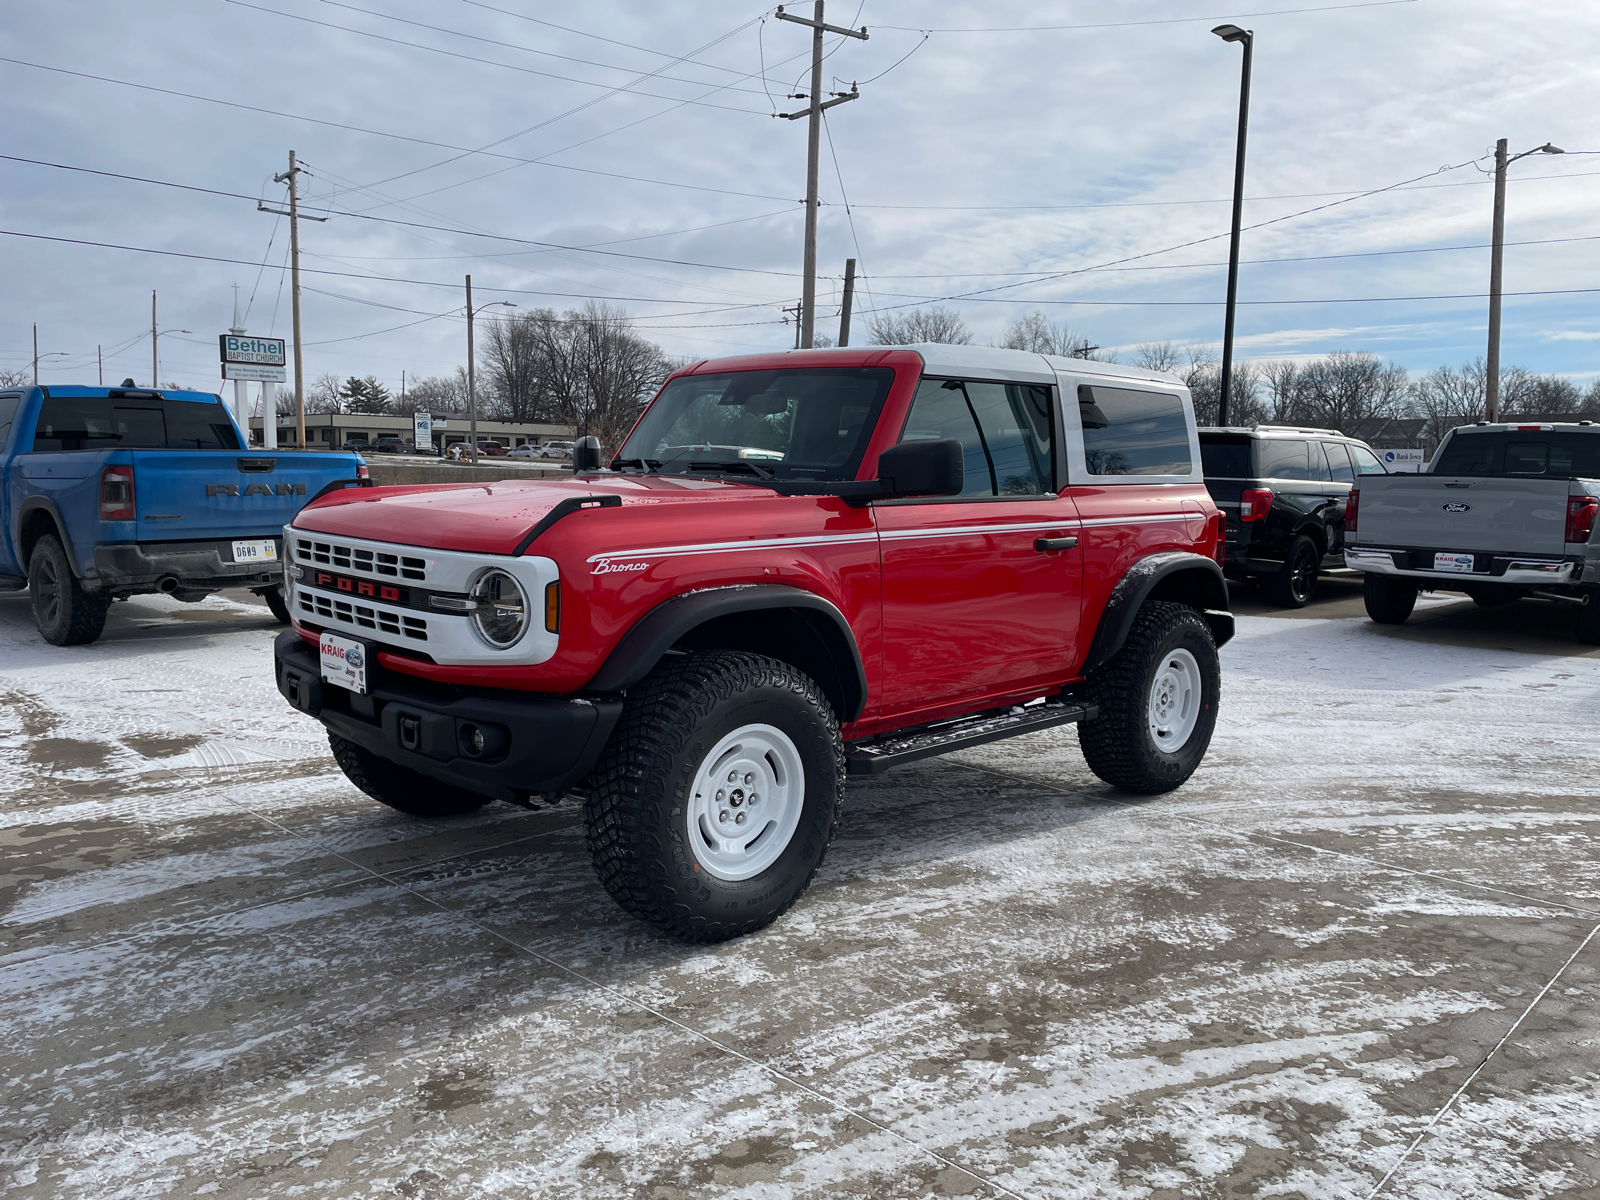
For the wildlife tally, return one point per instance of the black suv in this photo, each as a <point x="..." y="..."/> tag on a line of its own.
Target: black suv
<point x="1283" y="492"/>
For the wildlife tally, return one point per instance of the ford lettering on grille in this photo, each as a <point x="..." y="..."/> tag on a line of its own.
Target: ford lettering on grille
<point x="361" y="587"/>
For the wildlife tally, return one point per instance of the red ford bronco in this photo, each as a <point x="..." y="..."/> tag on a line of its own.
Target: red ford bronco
<point x="799" y="566"/>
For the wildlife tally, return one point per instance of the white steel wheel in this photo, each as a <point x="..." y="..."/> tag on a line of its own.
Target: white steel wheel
<point x="1174" y="707"/>
<point x="746" y="801"/>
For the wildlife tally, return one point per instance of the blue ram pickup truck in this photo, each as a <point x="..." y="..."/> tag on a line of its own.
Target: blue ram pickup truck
<point x="107" y="493"/>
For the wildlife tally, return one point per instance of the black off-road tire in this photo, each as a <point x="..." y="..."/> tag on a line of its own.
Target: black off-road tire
<point x="1118" y="744"/>
<point x="1389" y="598"/>
<point x="399" y="787"/>
<point x="1296" y="583"/>
<point x="639" y="793"/>
<point x="65" y="614"/>
<point x="1586" y="621"/>
<point x="276" y="602"/>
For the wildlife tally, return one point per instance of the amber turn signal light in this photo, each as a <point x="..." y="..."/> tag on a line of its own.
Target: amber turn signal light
<point x="552" y="607"/>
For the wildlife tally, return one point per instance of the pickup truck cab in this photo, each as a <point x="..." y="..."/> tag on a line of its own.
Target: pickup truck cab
<point x="798" y="566"/>
<point x="107" y="493"/>
<point x="1503" y="512"/>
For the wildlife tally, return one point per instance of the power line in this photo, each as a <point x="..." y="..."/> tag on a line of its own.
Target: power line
<point x="472" y="58"/>
<point x="1281" y="12"/>
<point x="400" y="137"/>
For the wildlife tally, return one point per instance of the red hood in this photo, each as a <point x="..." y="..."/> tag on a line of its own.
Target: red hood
<point x="491" y="518"/>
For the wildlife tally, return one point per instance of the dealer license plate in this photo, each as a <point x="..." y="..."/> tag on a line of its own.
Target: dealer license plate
<point x="1460" y="564"/>
<point x="344" y="662"/>
<point x="265" y="550"/>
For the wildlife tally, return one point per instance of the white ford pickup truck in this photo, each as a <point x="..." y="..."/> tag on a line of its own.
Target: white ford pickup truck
<point x="1504" y="512"/>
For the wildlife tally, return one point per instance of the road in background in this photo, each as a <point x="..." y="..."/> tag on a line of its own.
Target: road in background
<point x="225" y="972"/>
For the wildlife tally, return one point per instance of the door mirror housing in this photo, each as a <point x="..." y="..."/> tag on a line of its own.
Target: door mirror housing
<point x="936" y="467"/>
<point x="586" y="455"/>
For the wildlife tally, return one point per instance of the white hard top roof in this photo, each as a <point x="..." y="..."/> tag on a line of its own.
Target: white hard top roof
<point x="991" y="361"/>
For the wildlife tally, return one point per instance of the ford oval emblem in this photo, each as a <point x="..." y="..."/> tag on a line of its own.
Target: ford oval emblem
<point x="1455" y="506"/>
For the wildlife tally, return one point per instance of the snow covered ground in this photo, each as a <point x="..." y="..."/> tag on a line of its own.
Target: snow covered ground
<point x="1356" y="955"/>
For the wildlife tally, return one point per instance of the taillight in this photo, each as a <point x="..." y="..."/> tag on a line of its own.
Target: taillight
<point x="1253" y="505"/>
<point x="362" y="472"/>
<point x="1219" y="549"/>
<point x="1350" y="510"/>
<point x="1581" y="511"/>
<point x="116" y="494"/>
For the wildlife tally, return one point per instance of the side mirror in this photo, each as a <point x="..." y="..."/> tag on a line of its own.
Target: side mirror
<point x="927" y="468"/>
<point x="586" y="455"/>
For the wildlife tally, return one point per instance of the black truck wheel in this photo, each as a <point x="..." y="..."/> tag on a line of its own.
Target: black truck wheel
<point x="714" y="801"/>
<point x="400" y="787"/>
<point x="1389" y="598"/>
<point x="1158" y="702"/>
<point x="1296" y="583"/>
<point x="276" y="602"/>
<point x="65" y="614"/>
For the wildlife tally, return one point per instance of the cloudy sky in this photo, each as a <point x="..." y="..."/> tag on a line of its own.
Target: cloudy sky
<point x="1069" y="155"/>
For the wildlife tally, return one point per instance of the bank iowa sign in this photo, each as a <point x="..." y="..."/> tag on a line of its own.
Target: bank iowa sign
<point x="246" y="357"/>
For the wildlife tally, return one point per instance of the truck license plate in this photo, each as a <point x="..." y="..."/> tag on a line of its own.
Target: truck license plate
<point x="1460" y="564"/>
<point x="265" y="550"/>
<point x="344" y="662"/>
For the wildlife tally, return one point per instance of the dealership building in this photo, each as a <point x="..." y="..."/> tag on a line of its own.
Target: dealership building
<point x="329" y="431"/>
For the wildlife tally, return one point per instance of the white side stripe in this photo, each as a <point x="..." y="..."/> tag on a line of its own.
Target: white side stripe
<point x="888" y="535"/>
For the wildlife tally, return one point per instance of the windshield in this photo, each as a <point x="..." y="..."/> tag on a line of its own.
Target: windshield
<point x="801" y="423"/>
<point x="137" y="422"/>
<point x="1522" y="454"/>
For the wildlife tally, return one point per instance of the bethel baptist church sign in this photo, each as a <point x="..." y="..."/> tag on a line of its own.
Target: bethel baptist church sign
<point x="252" y="358"/>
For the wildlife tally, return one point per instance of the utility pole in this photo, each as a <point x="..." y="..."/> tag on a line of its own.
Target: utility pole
<point x="1491" y="395"/>
<point x="1247" y="38"/>
<point x="292" y="178"/>
<point x="849" y="296"/>
<point x="814" y="111"/>
<point x="155" y="362"/>
<point x="36" y="354"/>
<point x="472" y="381"/>
<point x="796" y="310"/>
<point x="99" y="363"/>
<point x="1496" y="266"/>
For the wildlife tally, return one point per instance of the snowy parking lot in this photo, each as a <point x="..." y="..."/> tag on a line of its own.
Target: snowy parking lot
<point x="1357" y="954"/>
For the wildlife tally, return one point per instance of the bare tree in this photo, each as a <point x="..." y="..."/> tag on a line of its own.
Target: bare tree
<point x="1347" y="386"/>
<point x="439" y="395"/>
<point x="324" y="395"/>
<point x="513" y="365"/>
<point x="1447" y="396"/>
<point x="1037" y="333"/>
<point x="619" y="371"/>
<point x="1552" y="395"/>
<point x="1202" y="375"/>
<point x="942" y="325"/>
<point x="20" y="377"/>
<point x="1285" y="388"/>
<point x="1158" y="356"/>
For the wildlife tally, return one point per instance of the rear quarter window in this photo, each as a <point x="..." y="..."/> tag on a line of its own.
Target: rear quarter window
<point x="1284" y="458"/>
<point x="1133" y="432"/>
<point x="8" y="414"/>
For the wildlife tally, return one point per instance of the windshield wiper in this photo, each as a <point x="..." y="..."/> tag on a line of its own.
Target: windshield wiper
<point x="648" y="465"/>
<point x="740" y="464"/>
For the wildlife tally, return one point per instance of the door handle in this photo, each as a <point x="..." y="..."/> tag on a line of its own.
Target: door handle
<point x="1060" y="543"/>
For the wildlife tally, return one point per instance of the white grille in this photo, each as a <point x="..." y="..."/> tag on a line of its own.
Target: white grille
<point x="359" y="559"/>
<point x="360" y="615"/>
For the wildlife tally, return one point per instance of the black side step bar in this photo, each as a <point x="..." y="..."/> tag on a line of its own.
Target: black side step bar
<point x="872" y="756"/>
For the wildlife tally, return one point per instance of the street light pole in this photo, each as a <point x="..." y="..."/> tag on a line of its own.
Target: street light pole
<point x="472" y="369"/>
<point x="1491" y="396"/>
<point x="1232" y="33"/>
<point x="155" y="362"/>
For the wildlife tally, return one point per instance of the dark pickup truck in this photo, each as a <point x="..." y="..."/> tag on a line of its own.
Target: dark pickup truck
<point x="107" y="493"/>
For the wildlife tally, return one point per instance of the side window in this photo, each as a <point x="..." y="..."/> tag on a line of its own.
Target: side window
<point x="1339" y="462"/>
<point x="1283" y="459"/>
<point x="1128" y="432"/>
<point x="1004" y="429"/>
<point x="1366" y="462"/>
<point x="8" y="413"/>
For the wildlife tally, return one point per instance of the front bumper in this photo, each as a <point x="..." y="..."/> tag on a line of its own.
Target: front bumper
<point x="198" y="567"/>
<point x="532" y="743"/>
<point x="1514" y="569"/>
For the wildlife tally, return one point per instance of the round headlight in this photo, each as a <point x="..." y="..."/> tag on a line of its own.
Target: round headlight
<point x="502" y="612"/>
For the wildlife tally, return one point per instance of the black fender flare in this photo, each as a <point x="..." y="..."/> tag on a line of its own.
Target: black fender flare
<point x="44" y="504"/>
<point x="670" y="621"/>
<point x="1173" y="574"/>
